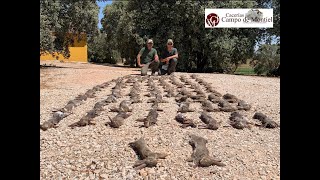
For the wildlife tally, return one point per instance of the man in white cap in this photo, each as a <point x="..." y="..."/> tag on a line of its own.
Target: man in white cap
<point x="148" y="58"/>
<point x="169" y="59"/>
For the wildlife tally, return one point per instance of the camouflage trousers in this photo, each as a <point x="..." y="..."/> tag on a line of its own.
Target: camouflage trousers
<point x="171" y="68"/>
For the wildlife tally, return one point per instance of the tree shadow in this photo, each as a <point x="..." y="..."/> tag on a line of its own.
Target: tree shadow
<point x="51" y="66"/>
<point x="112" y="65"/>
<point x="45" y="66"/>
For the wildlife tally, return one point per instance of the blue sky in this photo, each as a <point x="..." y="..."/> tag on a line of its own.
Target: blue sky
<point x="101" y="6"/>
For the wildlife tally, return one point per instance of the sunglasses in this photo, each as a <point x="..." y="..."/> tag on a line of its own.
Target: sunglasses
<point x="169" y="43"/>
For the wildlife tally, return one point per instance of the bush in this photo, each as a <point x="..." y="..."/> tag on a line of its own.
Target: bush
<point x="99" y="50"/>
<point x="267" y="60"/>
<point x="274" y="72"/>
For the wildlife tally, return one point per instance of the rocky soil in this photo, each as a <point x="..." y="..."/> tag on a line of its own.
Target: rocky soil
<point x="101" y="152"/>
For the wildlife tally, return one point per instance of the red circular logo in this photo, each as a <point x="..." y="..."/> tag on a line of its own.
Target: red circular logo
<point x="212" y="19"/>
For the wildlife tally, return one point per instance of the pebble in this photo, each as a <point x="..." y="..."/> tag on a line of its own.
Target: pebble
<point x="92" y="166"/>
<point x="97" y="171"/>
<point x="104" y="176"/>
<point x="151" y="171"/>
<point x="92" y="176"/>
<point x="143" y="173"/>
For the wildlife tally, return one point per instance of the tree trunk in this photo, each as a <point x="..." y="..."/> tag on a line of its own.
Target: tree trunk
<point x="234" y="70"/>
<point x="201" y="62"/>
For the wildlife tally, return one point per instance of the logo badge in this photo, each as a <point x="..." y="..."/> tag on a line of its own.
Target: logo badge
<point x="238" y="18"/>
<point x="212" y="19"/>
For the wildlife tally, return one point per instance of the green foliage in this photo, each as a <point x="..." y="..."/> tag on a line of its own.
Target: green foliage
<point x="267" y="34"/>
<point x="245" y="70"/>
<point x="130" y="23"/>
<point x="266" y="60"/>
<point x="48" y="22"/>
<point x="127" y="24"/>
<point x="60" y="18"/>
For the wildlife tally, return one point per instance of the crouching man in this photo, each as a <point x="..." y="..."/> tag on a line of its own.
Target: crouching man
<point x="169" y="59"/>
<point x="148" y="58"/>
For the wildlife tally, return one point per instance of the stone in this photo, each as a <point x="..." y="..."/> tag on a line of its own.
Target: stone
<point x="143" y="173"/>
<point x="104" y="176"/>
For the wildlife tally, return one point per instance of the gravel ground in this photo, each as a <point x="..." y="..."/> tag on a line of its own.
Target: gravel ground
<point x="101" y="152"/>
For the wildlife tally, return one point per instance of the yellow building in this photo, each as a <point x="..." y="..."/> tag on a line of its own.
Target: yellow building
<point x="78" y="52"/>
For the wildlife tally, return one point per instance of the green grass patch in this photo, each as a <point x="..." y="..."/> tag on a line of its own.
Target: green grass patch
<point x="245" y="70"/>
